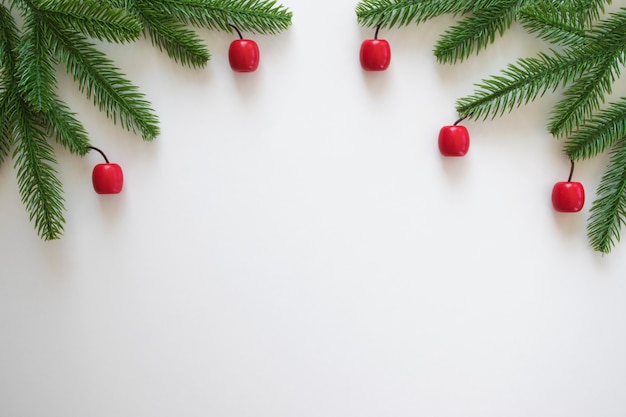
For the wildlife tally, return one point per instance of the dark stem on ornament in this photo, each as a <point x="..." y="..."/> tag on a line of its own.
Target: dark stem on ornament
<point x="377" y="30"/>
<point x="237" y="30"/>
<point x="101" y="153"/>
<point x="571" y="171"/>
<point x="460" y="120"/>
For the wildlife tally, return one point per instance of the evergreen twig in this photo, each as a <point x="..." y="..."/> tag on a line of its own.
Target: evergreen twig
<point x="598" y="133"/>
<point x="60" y="32"/>
<point x="39" y="187"/>
<point x="398" y="13"/>
<point x="608" y="212"/>
<point x="476" y="31"/>
<point x="169" y="34"/>
<point x="586" y="57"/>
<point x="558" y="23"/>
<point x="256" y="16"/>
<point x="166" y="22"/>
<point x="524" y="81"/>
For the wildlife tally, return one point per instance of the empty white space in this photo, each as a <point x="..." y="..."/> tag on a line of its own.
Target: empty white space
<point x="294" y="245"/>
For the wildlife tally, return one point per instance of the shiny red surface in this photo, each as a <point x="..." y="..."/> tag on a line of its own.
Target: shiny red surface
<point x="107" y="178"/>
<point x="454" y="140"/>
<point x="375" y="55"/>
<point x="568" y="196"/>
<point x="243" y="55"/>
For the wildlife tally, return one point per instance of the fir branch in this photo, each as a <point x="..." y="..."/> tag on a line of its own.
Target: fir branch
<point x="65" y="128"/>
<point x="591" y="10"/>
<point x="476" y="31"/>
<point x="523" y="82"/>
<point x="57" y="31"/>
<point x="584" y="96"/>
<point x="608" y="212"/>
<point x="36" y="71"/>
<point x="587" y="94"/>
<point x="39" y="187"/>
<point x="398" y="13"/>
<point x="598" y="133"/>
<point x="5" y="131"/>
<point x="38" y="183"/>
<point x="8" y="40"/>
<point x="100" y="80"/>
<point x="255" y="16"/>
<point x="38" y="82"/>
<point x="182" y="45"/>
<point x="587" y="58"/>
<point x="560" y="23"/>
<point x="610" y="33"/>
<point x="94" y="18"/>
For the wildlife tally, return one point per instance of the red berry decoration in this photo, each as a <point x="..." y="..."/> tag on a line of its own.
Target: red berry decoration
<point x="568" y="196"/>
<point x="454" y="140"/>
<point x="107" y="178"/>
<point x="243" y="54"/>
<point x="375" y="53"/>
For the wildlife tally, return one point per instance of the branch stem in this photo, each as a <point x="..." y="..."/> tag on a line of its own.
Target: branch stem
<point x="460" y="120"/>
<point x="377" y="30"/>
<point x="101" y="153"/>
<point x="237" y="30"/>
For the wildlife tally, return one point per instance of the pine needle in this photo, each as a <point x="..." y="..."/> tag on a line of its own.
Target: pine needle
<point x="586" y="55"/>
<point x="169" y="34"/>
<point x="598" y="133"/>
<point x="255" y="16"/>
<point x="475" y="32"/>
<point x="100" y="80"/>
<point x="523" y="82"/>
<point x="608" y="212"/>
<point x="38" y="182"/>
<point x="60" y="32"/>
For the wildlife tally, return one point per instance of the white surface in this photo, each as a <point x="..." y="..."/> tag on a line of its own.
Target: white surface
<point x="294" y="245"/>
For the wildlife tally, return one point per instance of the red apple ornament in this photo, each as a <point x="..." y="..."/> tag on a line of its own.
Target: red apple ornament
<point x="107" y="178"/>
<point x="568" y="196"/>
<point x="375" y="53"/>
<point x="243" y="54"/>
<point x="454" y="140"/>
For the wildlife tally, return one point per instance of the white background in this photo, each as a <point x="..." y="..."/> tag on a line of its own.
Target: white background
<point x="294" y="245"/>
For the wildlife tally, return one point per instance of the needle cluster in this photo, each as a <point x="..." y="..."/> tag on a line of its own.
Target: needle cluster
<point x="586" y="56"/>
<point x="59" y="34"/>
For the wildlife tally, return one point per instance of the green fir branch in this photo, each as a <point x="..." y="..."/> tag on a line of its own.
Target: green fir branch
<point x="599" y="133"/>
<point x="560" y="23"/>
<point x="476" y="31"/>
<point x="587" y="94"/>
<point x="38" y="183"/>
<point x="589" y="10"/>
<point x="398" y="13"/>
<point x="608" y="212"/>
<point x="58" y="32"/>
<point x="9" y="40"/>
<point x="523" y="82"/>
<point x="95" y="18"/>
<point x="592" y="70"/>
<point x="166" y="20"/>
<point x="68" y="131"/>
<point x="584" y="96"/>
<point x="36" y="65"/>
<point x="170" y="35"/>
<point x="40" y="189"/>
<point x="610" y="33"/>
<point x="5" y="130"/>
<point x="36" y="62"/>
<point x="586" y="57"/>
<point x="255" y="16"/>
<point x="100" y="80"/>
